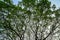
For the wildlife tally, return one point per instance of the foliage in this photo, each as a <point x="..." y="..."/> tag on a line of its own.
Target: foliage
<point x="29" y="18"/>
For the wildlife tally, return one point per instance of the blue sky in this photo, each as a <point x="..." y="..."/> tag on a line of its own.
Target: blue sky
<point x="56" y="2"/>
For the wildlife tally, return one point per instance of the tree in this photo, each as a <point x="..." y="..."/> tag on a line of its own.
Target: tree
<point x="30" y="20"/>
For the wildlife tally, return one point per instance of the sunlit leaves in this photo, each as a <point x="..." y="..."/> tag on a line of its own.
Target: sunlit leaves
<point x="27" y="14"/>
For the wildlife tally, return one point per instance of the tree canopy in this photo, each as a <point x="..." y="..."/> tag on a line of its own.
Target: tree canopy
<point x="29" y="20"/>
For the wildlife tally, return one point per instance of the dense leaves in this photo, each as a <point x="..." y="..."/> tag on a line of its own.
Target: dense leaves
<point x="29" y="20"/>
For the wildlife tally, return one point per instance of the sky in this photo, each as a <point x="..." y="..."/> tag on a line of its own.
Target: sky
<point x="56" y="2"/>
